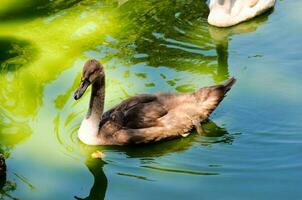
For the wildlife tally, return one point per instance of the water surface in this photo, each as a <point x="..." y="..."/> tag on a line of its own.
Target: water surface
<point x="252" y="145"/>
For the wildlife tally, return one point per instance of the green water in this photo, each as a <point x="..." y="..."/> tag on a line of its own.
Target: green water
<point x="253" y="142"/>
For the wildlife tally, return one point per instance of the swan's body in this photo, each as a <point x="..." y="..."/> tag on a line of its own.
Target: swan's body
<point x="224" y="13"/>
<point x="144" y="118"/>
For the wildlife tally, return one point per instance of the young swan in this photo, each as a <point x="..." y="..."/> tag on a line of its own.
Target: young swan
<point x="224" y="13"/>
<point x="143" y="118"/>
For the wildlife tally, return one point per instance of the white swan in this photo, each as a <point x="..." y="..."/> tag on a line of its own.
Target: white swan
<point x="224" y="13"/>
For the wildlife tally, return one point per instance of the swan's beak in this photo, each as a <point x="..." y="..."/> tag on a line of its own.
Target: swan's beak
<point x="81" y="90"/>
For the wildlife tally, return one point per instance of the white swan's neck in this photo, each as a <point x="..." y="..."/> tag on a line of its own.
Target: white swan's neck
<point x="89" y="129"/>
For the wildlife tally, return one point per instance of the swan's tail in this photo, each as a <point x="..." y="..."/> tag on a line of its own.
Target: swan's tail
<point x="210" y="97"/>
<point x="228" y="84"/>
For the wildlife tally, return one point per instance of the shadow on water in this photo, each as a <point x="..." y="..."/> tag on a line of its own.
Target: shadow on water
<point x="15" y="54"/>
<point x="212" y="134"/>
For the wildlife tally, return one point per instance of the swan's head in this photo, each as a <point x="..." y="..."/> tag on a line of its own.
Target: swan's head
<point x="92" y="71"/>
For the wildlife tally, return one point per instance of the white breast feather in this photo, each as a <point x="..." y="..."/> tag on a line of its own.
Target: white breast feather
<point x="88" y="132"/>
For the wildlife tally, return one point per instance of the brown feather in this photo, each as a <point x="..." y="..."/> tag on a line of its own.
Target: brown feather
<point x="140" y="111"/>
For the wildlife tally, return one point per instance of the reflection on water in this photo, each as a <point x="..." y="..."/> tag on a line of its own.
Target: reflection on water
<point x="98" y="190"/>
<point x="221" y="37"/>
<point x="162" y="34"/>
<point x="147" y="153"/>
<point x="14" y="54"/>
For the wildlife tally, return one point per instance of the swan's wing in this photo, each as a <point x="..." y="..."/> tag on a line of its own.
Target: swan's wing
<point x="127" y="104"/>
<point x="144" y="115"/>
<point x="136" y="112"/>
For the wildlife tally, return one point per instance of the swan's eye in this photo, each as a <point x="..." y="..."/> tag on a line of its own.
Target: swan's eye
<point x="94" y="71"/>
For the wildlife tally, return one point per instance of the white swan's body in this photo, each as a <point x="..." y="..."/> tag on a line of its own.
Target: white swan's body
<point x="225" y="13"/>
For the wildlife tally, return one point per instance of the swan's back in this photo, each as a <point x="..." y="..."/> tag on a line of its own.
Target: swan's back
<point x="145" y="119"/>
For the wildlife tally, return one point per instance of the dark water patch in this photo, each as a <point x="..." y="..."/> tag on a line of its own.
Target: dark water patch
<point x="2" y="168"/>
<point x="7" y="188"/>
<point x="15" y="54"/>
<point x="32" y="8"/>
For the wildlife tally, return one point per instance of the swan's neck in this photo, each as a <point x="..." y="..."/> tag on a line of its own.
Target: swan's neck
<point x="96" y="104"/>
<point x="88" y="132"/>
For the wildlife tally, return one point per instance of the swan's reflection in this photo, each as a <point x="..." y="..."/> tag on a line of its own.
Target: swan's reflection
<point x="99" y="187"/>
<point x="221" y="37"/>
<point x="212" y="134"/>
